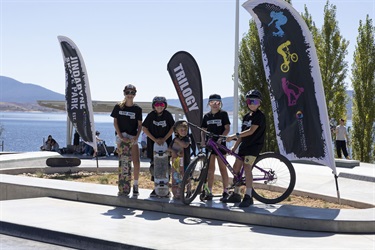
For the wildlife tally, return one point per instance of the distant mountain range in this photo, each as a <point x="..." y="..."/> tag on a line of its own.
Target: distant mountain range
<point x="18" y="96"/>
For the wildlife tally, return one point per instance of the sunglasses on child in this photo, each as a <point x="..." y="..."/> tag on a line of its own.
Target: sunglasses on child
<point x="159" y="104"/>
<point x="214" y="102"/>
<point x="252" y="101"/>
<point x="129" y="92"/>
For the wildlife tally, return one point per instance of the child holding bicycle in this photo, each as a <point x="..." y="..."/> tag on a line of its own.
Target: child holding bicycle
<point x="217" y="122"/>
<point x="250" y="142"/>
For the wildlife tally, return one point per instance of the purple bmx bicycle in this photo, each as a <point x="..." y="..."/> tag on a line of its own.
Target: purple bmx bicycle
<point x="271" y="172"/>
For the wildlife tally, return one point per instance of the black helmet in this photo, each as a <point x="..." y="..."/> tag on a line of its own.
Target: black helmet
<point x="97" y="132"/>
<point x="254" y="93"/>
<point x="178" y="124"/>
<point x="214" y="97"/>
<point x="159" y="99"/>
<point x="130" y="87"/>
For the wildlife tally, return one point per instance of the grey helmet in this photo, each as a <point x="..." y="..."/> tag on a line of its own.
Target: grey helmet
<point x="159" y="99"/>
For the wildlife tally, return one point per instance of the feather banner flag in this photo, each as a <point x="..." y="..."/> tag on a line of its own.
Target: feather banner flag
<point x="186" y="78"/>
<point x="293" y="75"/>
<point x="77" y="92"/>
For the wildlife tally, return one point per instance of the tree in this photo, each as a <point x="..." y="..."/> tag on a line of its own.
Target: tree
<point x="252" y="76"/>
<point x="332" y="49"/>
<point x="363" y="74"/>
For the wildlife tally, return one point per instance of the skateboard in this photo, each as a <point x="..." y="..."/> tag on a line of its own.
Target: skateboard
<point x="177" y="174"/>
<point x="161" y="165"/>
<point x="125" y="168"/>
<point x="63" y="162"/>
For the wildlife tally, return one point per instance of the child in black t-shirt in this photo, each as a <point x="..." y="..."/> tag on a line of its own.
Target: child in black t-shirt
<point x="250" y="142"/>
<point x="158" y="126"/>
<point x="216" y="121"/>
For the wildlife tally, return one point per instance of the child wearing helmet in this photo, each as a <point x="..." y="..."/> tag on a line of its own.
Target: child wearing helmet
<point x="216" y="121"/>
<point x="250" y="142"/>
<point x="158" y="126"/>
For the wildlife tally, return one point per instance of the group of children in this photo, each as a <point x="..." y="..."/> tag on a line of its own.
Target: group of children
<point x="159" y="125"/>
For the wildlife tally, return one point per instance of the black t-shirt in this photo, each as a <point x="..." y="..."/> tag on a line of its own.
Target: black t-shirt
<point x="158" y="126"/>
<point x="215" y="123"/>
<point x="127" y="118"/>
<point x="253" y="144"/>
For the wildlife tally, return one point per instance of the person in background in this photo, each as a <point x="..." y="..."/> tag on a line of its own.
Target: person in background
<point x="158" y="126"/>
<point x="341" y="140"/>
<point x="249" y="143"/>
<point x="76" y="143"/>
<point x="47" y="144"/>
<point x="127" y="120"/>
<point x="54" y="146"/>
<point x="216" y="121"/>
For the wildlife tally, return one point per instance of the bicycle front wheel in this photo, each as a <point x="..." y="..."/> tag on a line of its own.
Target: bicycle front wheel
<point x="194" y="177"/>
<point x="274" y="178"/>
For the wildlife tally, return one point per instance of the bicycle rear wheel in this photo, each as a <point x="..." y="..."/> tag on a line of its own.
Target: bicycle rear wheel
<point x="194" y="177"/>
<point x="274" y="178"/>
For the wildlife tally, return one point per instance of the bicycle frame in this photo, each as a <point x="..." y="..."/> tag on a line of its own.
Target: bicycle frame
<point x="237" y="177"/>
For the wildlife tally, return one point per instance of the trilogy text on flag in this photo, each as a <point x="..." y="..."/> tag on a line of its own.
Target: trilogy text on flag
<point x="185" y="89"/>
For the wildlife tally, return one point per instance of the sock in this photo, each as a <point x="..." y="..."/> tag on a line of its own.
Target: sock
<point x="249" y="191"/>
<point x="237" y="190"/>
<point x="225" y="190"/>
<point x="136" y="182"/>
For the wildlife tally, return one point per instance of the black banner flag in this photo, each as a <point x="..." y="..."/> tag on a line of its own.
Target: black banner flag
<point x="296" y="88"/>
<point x="77" y="92"/>
<point x="186" y="78"/>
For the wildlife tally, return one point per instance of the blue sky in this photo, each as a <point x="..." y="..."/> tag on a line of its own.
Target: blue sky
<point x="131" y="41"/>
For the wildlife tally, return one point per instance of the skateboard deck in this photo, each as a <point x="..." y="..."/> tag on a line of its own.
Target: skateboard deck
<point x="63" y="162"/>
<point x="177" y="174"/>
<point x="125" y="168"/>
<point x="161" y="175"/>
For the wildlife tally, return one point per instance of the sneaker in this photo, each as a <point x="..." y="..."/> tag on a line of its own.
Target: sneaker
<point x="153" y="194"/>
<point x="209" y="197"/>
<point x="232" y="198"/>
<point x="135" y="190"/>
<point x="247" y="201"/>
<point x="225" y="196"/>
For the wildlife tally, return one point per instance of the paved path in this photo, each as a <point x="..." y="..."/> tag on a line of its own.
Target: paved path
<point x="99" y="226"/>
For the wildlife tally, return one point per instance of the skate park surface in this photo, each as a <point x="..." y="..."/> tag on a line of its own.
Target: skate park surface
<point x="91" y="216"/>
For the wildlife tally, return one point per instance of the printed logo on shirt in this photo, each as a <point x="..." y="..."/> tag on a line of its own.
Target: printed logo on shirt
<point x="216" y="122"/>
<point x="161" y="123"/>
<point x="247" y="124"/>
<point x="127" y="113"/>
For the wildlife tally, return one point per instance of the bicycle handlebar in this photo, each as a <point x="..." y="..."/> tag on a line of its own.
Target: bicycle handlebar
<point x="209" y="134"/>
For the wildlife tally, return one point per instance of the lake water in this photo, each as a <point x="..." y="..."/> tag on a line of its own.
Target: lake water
<point x="25" y="131"/>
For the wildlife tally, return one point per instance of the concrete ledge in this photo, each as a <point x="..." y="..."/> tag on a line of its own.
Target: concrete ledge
<point x="28" y="159"/>
<point x="342" y="163"/>
<point x="283" y="216"/>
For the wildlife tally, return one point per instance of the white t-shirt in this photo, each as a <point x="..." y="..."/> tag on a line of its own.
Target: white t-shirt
<point x="341" y="133"/>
